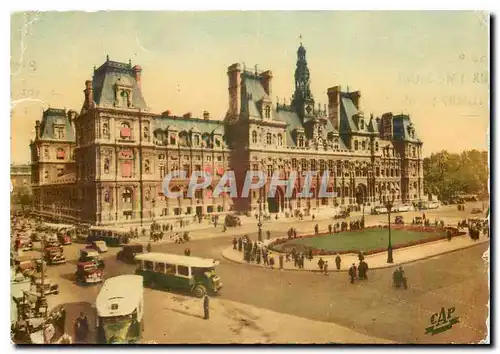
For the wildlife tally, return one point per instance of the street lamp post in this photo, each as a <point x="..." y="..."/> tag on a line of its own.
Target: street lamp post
<point x="389" y="206"/>
<point x="259" y="225"/>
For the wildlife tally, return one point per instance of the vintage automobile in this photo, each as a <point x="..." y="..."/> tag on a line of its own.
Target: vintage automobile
<point x="99" y="246"/>
<point x="23" y="244"/>
<point x="398" y="220"/>
<point x="88" y="273"/>
<point x="128" y="252"/>
<point x="232" y="221"/>
<point x="53" y="255"/>
<point x="48" y="287"/>
<point x="88" y="255"/>
<point x="379" y="210"/>
<point x="342" y="214"/>
<point x="112" y="237"/>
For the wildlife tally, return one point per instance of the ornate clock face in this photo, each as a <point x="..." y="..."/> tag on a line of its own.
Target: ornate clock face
<point x="308" y="109"/>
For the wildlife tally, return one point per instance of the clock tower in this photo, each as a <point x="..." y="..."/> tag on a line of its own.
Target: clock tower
<point x="303" y="100"/>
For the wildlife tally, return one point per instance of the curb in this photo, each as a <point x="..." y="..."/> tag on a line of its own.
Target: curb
<point x="333" y="270"/>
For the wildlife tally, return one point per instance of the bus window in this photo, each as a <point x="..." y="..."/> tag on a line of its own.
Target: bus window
<point x="182" y="270"/>
<point x="170" y="269"/>
<point x="148" y="265"/>
<point x="160" y="268"/>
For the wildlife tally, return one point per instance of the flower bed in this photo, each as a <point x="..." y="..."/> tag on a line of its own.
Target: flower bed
<point x="278" y="245"/>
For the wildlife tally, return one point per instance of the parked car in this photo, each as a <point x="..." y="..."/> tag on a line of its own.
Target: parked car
<point x="232" y="220"/>
<point x="476" y="211"/>
<point x="379" y="210"/>
<point x="53" y="255"/>
<point x="128" y="252"/>
<point x="342" y="214"/>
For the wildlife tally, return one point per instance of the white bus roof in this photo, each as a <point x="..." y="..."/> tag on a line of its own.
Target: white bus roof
<point x="59" y="226"/>
<point x="187" y="261"/>
<point x="108" y="229"/>
<point x="120" y="296"/>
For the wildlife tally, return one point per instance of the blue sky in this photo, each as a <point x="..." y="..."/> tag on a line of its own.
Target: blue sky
<point x="433" y="65"/>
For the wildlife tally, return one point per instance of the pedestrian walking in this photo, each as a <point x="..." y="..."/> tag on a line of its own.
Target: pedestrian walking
<point x="321" y="263"/>
<point x="271" y="262"/>
<point x="235" y="243"/>
<point x="338" y="261"/>
<point x="352" y="273"/>
<point x="240" y="244"/>
<point x="206" y="307"/>
<point x="268" y="234"/>
<point x="316" y="229"/>
<point x="325" y="268"/>
<point x="330" y="229"/>
<point x="149" y="248"/>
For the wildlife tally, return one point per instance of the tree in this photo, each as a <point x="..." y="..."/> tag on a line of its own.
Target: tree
<point x="447" y="175"/>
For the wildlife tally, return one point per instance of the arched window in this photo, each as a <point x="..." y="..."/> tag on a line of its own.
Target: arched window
<point x="106" y="165"/>
<point x="356" y="145"/>
<point x="107" y="196"/>
<point x="173" y="139"/>
<point x="127" y="195"/>
<point x="301" y="141"/>
<point x="217" y="142"/>
<point x="125" y="132"/>
<point x="254" y="137"/>
<point x="147" y="168"/>
<point x="146" y="132"/>
<point x="363" y="145"/>
<point x="280" y="140"/>
<point x="336" y="144"/>
<point x="183" y="139"/>
<point x="268" y="112"/>
<point x="269" y="138"/>
<point x="196" y="140"/>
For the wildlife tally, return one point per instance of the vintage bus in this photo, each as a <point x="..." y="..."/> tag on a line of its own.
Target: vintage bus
<point x="171" y="271"/>
<point x="120" y="310"/>
<point x="114" y="237"/>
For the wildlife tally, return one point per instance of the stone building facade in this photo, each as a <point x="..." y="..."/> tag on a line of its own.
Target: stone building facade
<point x="368" y="159"/>
<point x="106" y="164"/>
<point x="20" y="179"/>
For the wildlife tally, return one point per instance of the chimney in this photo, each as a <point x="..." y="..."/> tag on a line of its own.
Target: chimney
<point x="334" y="106"/>
<point x="89" y="95"/>
<point x="206" y="115"/>
<point x="265" y="79"/>
<point x="387" y="126"/>
<point x="37" y="129"/>
<point x="167" y="113"/>
<point x="355" y="97"/>
<point x="188" y="115"/>
<point x="234" y="77"/>
<point x="137" y="75"/>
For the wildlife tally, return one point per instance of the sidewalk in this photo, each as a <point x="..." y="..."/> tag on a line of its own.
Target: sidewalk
<point x="375" y="261"/>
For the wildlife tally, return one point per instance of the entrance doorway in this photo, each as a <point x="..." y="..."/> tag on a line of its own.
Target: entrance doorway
<point x="276" y="204"/>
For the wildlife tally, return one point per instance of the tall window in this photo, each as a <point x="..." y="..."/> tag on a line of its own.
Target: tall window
<point x="59" y="132"/>
<point x="336" y="144"/>
<point x="294" y="163"/>
<point x="127" y="195"/>
<point x="269" y="139"/>
<point x="254" y="137"/>
<point x="196" y="140"/>
<point x="147" y="167"/>
<point x="376" y="146"/>
<point x="356" y="145"/>
<point x="363" y="145"/>
<point x="268" y="112"/>
<point x="162" y="171"/>
<point x="362" y="124"/>
<point x="60" y="154"/>
<point x="303" y="164"/>
<point x="301" y="141"/>
<point x="280" y="140"/>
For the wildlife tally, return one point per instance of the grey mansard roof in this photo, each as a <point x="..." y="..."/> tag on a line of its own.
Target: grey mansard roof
<point x="110" y="74"/>
<point x="54" y="116"/>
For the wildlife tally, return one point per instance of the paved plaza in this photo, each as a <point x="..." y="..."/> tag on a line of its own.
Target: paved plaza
<point x="262" y="305"/>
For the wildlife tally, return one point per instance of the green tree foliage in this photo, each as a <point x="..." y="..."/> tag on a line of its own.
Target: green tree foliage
<point x="448" y="175"/>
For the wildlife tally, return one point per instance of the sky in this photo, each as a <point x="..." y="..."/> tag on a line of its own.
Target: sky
<point x="431" y="65"/>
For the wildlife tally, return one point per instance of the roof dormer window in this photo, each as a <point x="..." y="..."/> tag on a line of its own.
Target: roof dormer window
<point x="301" y="141"/>
<point x="267" y="112"/>
<point x="362" y="124"/>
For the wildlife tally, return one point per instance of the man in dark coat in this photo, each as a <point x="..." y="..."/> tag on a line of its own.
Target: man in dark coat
<point x="240" y="244"/>
<point x="268" y="233"/>
<point x="235" y="243"/>
<point x="337" y="261"/>
<point x="206" y="307"/>
<point x="187" y="252"/>
<point x="321" y="263"/>
<point x="352" y="273"/>
<point x="316" y="229"/>
<point x="281" y="261"/>
<point x="330" y="229"/>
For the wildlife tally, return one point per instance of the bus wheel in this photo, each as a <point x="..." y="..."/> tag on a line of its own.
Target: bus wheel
<point x="199" y="291"/>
